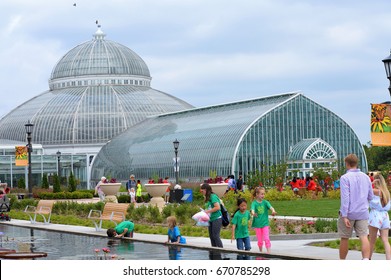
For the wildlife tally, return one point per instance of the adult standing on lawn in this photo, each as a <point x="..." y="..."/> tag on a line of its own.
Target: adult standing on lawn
<point x="356" y="192"/>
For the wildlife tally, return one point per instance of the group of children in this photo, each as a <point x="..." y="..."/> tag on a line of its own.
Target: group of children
<point x="259" y="211"/>
<point x="240" y="224"/>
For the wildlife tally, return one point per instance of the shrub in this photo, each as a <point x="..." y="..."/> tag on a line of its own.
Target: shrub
<point x="71" y="183"/>
<point x="45" y="181"/>
<point x="274" y="194"/>
<point x="56" y="184"/>
<point x="139" y="213"/>
<point x="21" y="183"/>
<point x="154" y="215"/>
<point x="324" y="225"/>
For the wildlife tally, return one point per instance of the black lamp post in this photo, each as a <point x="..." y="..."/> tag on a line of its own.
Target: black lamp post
<point x="387" y="65"/>
<point x="29" y="131"/>
<point x="58" y="164"/>
<point x="176" y="145"/>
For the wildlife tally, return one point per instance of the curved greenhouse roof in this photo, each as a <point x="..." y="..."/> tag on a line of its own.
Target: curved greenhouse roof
<point x="230" y="138"/>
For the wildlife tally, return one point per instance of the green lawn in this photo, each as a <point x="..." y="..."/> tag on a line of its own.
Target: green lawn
<point x="320" y="208"/>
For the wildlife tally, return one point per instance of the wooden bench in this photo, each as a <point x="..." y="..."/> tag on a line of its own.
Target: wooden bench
<point x="43" y="208"/>
<point x="114" y="212"/>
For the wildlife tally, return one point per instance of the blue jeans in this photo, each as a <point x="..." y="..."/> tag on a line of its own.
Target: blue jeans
<point x="243" y="243"/>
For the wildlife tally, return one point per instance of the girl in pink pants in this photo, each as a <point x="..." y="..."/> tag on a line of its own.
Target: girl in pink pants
<point x="260" y="212"/>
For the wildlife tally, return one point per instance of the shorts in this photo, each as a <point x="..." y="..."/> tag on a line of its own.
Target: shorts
<point x="379" y="219"/>
<point x="359" y="226"/>
<point x="167" y="194"/>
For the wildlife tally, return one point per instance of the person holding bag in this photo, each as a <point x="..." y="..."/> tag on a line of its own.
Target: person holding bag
<point x="212" y="205"/>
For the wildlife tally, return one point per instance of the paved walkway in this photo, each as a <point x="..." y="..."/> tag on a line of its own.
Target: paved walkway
<point x="295" y="246"/>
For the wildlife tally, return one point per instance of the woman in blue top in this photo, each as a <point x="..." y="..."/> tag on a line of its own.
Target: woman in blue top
<point x="174" y="235"/>
<point x="212" y="205"/>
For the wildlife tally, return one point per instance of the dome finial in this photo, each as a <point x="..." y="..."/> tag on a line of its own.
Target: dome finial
<point x="99" y="34"/>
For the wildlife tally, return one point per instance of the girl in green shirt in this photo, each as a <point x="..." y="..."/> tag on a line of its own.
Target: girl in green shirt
<point x="259" y="210"/>
<point x="240" y="226"/>
<point x="212" y="205"/>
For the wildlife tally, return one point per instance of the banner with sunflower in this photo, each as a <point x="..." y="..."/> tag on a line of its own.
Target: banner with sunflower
<point x="21" y="156"/>
<point x="381" y="124"/>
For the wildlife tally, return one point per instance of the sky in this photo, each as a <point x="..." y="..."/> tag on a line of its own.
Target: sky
<point x="213" y="52"/>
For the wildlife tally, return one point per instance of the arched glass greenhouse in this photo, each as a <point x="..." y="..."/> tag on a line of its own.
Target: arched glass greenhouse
<point x="233" y="138"/>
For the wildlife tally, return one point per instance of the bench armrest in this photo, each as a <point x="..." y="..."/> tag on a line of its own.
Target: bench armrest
<point x="92" y="211"/>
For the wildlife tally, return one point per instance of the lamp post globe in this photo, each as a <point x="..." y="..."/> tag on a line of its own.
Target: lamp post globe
<point x="29" y="130"/>
<point x="387" y="66"/>
<point x="176" y="146"/>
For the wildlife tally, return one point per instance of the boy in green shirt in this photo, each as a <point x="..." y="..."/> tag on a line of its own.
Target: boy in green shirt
<point x="123" y="229"/>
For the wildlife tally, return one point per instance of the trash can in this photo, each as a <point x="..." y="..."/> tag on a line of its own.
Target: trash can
<point x="188" y="195"/>
<point x="176" y="196"/>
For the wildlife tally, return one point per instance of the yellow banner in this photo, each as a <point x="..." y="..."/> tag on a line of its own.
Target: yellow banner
<point x="381" y="124"/>
<point x="21" y="156"/>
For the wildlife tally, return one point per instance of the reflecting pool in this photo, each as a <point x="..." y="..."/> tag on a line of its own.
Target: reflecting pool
<point x="67" y="246"/>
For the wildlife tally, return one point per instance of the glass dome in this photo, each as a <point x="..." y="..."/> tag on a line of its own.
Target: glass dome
<point x="97" y="90"/>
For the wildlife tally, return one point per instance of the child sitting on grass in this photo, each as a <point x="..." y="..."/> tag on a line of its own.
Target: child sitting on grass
<point x="123" y="229"/>
<point x="174" y="235"/>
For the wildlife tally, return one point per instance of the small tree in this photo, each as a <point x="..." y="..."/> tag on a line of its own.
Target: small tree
<point x="45" y="181"/>
<point x="56" y="184"/>
<point x="21" y="183"/>
<point x="71" y="183"/>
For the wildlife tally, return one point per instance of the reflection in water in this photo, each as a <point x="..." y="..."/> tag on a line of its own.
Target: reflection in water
<point x="121" y="245"/>
<point x="174" y="252"/>
<point x="59" y="245"/>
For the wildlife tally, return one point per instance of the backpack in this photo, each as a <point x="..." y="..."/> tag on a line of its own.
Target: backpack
<point x="224" y="215"/>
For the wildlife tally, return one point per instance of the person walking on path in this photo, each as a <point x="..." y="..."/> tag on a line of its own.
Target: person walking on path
<point x="356" y="192"/>
<point x="260" y="211"/>
<point x="98" y="189"/>
<point x="240" y="222"/>
<point x="379" y="219"/>
<point x="212" y="205"/>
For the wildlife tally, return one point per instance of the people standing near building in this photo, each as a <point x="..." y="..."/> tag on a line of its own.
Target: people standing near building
<point x="212" y="205"/>
<point x="139" y="196"/>
<point x="356" y="192"/>
<point x="98" y="189"/>
<point x="239" y="184"/>
<point x="260" y="211"/>
<point x="131" y="184"/>
<point x="168" y="189"/>
<point x="240" y="225"/>
<point x="379" y="220"/>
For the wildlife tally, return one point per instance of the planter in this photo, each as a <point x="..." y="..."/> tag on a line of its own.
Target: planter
<point x="110" y="188"/>
<point x="157" y="191"/>
<point x="219" y="189"/>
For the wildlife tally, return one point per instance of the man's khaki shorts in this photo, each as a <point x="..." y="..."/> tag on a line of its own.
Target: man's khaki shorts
<point x="359" y="226"/>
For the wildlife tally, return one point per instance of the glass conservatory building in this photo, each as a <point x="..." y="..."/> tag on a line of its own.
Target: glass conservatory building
<point x="233" y="138"/>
